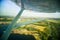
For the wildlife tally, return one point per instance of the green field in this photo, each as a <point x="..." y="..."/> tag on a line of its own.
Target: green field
<point x="47" y="29"/>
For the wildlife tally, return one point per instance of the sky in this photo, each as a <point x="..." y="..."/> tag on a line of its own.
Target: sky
<point x="9" y="8"/>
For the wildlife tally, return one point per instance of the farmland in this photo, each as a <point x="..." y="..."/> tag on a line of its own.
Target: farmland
<point x="47" y="29"/>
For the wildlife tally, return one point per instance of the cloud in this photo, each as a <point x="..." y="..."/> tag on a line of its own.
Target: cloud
<point x="8" y="8"/>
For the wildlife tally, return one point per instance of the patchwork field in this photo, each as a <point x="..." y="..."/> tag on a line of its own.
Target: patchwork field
<point x="47" y="29"/>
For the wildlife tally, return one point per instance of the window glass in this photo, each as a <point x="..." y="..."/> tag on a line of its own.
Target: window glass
<point x="40" y="20"/>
